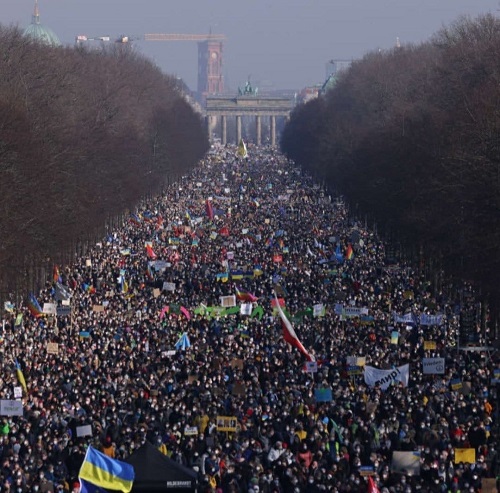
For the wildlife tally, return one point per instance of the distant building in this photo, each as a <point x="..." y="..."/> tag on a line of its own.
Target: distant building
<point x="39" y="32"/>
<point x="335" y="67"/>
<point x="308" y="93"/>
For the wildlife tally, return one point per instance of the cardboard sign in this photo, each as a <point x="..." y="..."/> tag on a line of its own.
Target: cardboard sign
<point x="311" y="366"/>
<point x="88" y="263"/>
<point x="156" y="292"/>
<point x="11" y="408"/>
<point x="169" y="286"/>
<point x="98" y="308"/>
<point x="18" y="392"/>
<point x="228" y="301"/>
<point x="84" y="431"/>
<point x="52" y="348"/>
<point x="227" y="423"/>
<point x="239" y="389"/>
<point x="237" y="363"/>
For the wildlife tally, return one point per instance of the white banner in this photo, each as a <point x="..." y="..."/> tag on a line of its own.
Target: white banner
<point x="50" y="308"/>
<point x="318" y="310"/>
<point x="11" y="408"/>
<point x="383" y="378"/>
<point x="407" y="318"/>
<point x="84" y="430"/>
<point x="433" y="366"/>
<point x="431" y="319"/>
<point x="246" y="309"/>
<point x="169" y="286"/>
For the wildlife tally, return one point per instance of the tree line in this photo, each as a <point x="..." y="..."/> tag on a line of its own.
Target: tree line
<point x="411" y="138"/>
<point x="84" y="135"/>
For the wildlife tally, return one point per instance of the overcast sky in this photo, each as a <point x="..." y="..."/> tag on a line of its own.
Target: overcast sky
<point x="283" y="43"/>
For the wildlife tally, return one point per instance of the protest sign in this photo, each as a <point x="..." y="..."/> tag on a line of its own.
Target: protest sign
<point x="465" y="455"/>
<point x="190" y="431"/>
<point x="406" y="462"/>
<point x="227" y="423"/>
<point x="83" y="431"/>
<point x="228" y="301"/>
<point x="11" y="408"/>
<point x="433" y="366"/>
<point x="52" y="348"/>
<point x="323" y="395"/>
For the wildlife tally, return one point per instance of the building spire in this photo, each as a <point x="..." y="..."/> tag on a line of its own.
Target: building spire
<point x="36" y="14"/>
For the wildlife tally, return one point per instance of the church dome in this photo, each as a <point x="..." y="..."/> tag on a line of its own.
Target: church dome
<point x="39" y="32"/>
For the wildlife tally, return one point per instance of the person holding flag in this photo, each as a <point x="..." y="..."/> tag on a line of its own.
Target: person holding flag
<point x="289" y="333"/>
<point x="100" y="471"/>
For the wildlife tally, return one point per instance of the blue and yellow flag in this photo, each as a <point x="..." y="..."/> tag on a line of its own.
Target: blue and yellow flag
<point x="20" y="376"/>
<point x="104" y="472"/>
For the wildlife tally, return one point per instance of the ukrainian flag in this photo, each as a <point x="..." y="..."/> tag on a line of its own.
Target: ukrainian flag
<point x="104" y="472"/>
<point x="20" y="376"/>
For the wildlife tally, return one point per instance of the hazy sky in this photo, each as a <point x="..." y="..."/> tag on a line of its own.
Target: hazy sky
<point x="283" y="43"/>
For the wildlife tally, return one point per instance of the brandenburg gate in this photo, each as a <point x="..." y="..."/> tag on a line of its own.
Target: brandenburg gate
<point x="245" y="104"/>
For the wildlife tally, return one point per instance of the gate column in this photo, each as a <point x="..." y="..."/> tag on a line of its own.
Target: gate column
<point x="273" y="130"/>
<point x="223" y="123"/>
<point x="258" y="129"/>
<point x="238" y="129"/>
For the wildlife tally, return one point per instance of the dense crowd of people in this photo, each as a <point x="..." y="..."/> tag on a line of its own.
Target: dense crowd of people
<point x="255" y="228"/>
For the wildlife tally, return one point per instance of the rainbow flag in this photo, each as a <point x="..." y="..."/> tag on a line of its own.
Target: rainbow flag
<point x="34" y="307"/>
<point x="88" y="288"/>
<point x="349" y="252"/>
<point x="245" y="296"/>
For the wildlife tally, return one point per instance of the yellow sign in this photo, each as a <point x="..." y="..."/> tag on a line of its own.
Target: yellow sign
<point x="465" y="455"/>
<point x="429" y="345"/>
<point x="227" y="423"/>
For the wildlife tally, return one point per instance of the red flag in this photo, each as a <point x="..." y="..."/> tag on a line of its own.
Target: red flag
<point x="56" y="276"/>
<point x="372" y="487"/>
<point x="209" y="209"/>
<point x="150" y="252"/>
<point x="289" y="334"/>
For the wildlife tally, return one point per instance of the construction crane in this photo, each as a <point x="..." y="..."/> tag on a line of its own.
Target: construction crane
<point x="210" y="52"/>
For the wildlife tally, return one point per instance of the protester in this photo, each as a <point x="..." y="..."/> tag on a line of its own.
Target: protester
<point x="145" y="356"/>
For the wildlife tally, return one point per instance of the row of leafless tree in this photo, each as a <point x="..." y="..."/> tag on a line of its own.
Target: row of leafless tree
<point x="412" y="138"/>
<point x="84" y="134"/>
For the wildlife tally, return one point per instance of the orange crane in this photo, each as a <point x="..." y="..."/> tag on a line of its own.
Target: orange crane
<point x="210" y="52"/>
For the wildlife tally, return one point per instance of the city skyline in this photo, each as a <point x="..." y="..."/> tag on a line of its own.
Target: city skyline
<point x="280" y="44"/>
